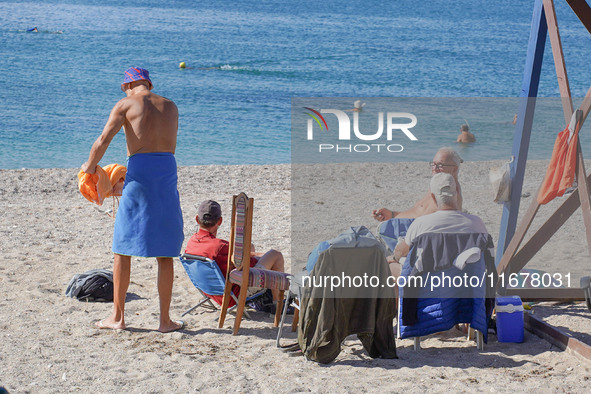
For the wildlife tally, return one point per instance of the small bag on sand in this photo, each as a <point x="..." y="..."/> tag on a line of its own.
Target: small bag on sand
<point x="500" y="179"/>
<point x="93" y="285"/>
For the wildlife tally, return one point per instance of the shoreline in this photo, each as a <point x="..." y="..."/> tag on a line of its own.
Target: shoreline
<point x="50" y="232"/>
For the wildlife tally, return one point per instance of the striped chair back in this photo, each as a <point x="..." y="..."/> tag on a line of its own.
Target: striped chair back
<point x="241" y="231"/>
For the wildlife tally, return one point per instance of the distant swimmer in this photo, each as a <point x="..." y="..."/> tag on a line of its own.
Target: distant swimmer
<point x="512" y="122"/>
<point x="357" y="106"/>
<point x="36" y="30"/>
<point x="465" y="135"/>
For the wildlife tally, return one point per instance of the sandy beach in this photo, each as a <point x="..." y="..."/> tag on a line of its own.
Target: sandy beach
<point x="49" y="342"/>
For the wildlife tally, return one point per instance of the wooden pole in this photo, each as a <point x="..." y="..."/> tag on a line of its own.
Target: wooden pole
<point x="561" y="75"/>
<point x="527" y="104"/>
<point x="581" y="8"/>
<point x="567" y="106"/>
<point x="583" y="189"/>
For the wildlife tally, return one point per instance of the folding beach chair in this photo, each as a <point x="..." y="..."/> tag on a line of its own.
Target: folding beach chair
<point x="353" y="237"/>
<point x="428" y="303"/>
<point x="239" y="257"/>
<point x="292" y="298"/>
<point x="329" y="314"/>
<point x="208" y="280"/>
<point x="390" y="230"/>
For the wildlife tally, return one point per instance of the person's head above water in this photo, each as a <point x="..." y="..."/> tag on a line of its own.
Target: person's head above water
<point x="134" y="74"/>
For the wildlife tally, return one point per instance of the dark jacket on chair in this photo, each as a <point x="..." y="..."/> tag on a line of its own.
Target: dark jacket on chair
<point x="328" y="315"/>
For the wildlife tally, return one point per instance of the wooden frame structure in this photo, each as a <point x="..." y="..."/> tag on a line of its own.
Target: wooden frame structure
<point x="509" y="259"/>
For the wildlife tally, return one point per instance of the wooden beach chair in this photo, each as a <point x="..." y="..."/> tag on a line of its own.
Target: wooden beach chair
<point x="239" y="257"/>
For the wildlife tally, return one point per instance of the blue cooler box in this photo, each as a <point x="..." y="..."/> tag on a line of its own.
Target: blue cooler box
<point x="509" y="319"/>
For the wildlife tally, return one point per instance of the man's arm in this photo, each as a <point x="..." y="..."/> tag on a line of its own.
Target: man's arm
<point x="424" y="206"/>
<point x="114" y="124"/>
<point x="383" y="214"/>
<point x="401" y="250"/>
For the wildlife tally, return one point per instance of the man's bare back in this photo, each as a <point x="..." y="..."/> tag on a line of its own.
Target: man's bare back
<point x="150" y="122"/>
<point x="466" y="137"/>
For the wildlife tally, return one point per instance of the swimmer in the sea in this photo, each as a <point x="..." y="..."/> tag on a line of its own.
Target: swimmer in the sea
<point x="357" y="106"/>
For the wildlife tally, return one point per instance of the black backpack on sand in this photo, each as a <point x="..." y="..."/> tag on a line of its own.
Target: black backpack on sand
<point x="94" y="285"/>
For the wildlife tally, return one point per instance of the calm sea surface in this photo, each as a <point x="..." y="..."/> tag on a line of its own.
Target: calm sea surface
<point x="248" y="60"/>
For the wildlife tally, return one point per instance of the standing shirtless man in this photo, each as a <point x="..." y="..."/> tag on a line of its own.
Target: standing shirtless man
<point x="149" y="221"/>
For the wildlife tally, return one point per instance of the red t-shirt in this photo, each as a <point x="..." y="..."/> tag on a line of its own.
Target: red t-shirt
<point x="203" y="243"/>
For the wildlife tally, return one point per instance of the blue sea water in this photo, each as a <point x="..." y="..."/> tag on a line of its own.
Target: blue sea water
<point x="248" y="59"/>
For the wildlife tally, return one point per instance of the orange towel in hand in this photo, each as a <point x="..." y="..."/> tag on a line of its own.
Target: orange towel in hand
<point x="116" y="175"/>
<point x="560" y="174"/>
<point x="102" y="184"/>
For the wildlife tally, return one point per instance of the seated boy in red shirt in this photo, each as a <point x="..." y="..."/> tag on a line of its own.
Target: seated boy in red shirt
<point x="205" y="243"/>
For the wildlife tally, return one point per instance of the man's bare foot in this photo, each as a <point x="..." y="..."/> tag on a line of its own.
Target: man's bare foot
<point x="108" y="324"/>
<point x="172" y="326"/>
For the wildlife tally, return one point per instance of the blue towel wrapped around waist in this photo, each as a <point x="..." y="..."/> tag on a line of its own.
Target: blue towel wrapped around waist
<point x="149" y="221"/>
